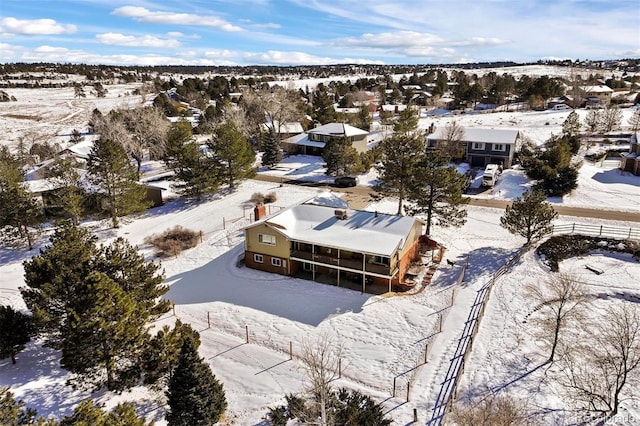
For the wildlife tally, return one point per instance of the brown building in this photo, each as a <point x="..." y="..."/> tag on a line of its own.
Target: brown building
<point x="348" y="248"/>
<point x="630" y="161"/>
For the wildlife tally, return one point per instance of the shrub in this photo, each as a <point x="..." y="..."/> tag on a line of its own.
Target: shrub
<point x="270" y="198"/>
<point x="257" y="198"/>
<point x="561" y="247"/>
<point x="173" y="241"/>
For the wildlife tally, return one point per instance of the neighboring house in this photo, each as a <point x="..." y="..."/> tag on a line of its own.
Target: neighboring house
<point x="482" y="146"/>
<point x="597" y="94"/>
<point x="313" y="141"/>
<point x="339" y="246"/>
<point x="286" y="130"/>
<point x="630" y="161"/>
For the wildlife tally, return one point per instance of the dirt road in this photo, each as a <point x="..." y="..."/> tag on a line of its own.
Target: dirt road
<point x="359" y="196"/>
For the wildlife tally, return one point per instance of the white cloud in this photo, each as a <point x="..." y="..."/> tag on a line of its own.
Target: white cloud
<point x="142" y="14"/>
<point x="178" y="34"/>
<point x="412" y="39"/>
<point x="8" y="52"/>
<point x="35" y="27"/>
<point x="299" y="58"/>
<point x="117" y="39"/>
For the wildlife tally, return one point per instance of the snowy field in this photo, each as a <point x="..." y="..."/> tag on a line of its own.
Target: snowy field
<point x="383" y="337"/>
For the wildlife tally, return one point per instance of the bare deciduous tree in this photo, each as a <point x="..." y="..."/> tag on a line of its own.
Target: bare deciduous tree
<point x="600" y="372"/>
<point x="557" y="301"/>
<point x="321" y="360"/>
<point x="453" y="136"/>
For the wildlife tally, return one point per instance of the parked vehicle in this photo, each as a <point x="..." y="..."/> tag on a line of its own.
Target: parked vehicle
<point x="490" y="175"/>
<point x="345" y="181"/>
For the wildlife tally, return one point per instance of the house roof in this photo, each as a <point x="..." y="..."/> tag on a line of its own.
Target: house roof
<point x="303" y="139"/>
<point x="482" y="135"/>
<point x="338" y="129"/>
<point x="600" y="88"/>
<point x="362" y="231"/>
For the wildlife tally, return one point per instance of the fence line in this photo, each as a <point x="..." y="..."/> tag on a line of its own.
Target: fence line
<point x="597" y="230"/>
<point x="465" y="343"/>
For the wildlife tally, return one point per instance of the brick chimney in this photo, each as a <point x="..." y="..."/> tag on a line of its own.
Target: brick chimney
<point x="259" y="211"/>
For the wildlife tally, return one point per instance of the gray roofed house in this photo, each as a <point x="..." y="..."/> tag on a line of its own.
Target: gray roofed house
<point x="313" y="141"/>
<point x="482" y="146"/>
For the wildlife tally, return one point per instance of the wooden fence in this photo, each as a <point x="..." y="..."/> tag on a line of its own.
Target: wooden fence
<point x="597" y="230"/>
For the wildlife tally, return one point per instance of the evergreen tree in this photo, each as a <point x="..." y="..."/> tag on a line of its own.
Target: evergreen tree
<point x="55" y="279"/>
<point x="14" y="412"/>
<point x="232" y="154"/>
<point x="323" y="110"/>
<point x="88" y="413"/>
<point x="69" y="195"/>
<point x="193" y="168"/>
<point x="341" y="157"/>
<point x="571" y="125"/>
<point x="110" y="169"/>
<point x="141" y="280"/>
<point x="76" y="137"/>
<point x="104" y="335"/>
<point x="272" y="154"/>
<point x="163" y="350"/>
<point x="19" y="212"/>
<point x="15" y="331"/>
<point x="529" y="216"/>
<point x="78" y="91"/>
<point x="436" y="191"/>
<point x="194" y="395"/>
<point x="407" y="121"/>
<point x="400" y="156"/>
<point x="354" y="409"/>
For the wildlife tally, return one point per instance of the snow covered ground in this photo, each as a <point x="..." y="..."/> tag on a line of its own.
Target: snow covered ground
<point x="383" y="337"/>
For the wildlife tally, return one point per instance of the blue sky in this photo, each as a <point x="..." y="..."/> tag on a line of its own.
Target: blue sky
<point x="315" y="32"/>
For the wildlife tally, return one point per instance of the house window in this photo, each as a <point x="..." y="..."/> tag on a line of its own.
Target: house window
<point x="258" y="258"/>
<point x="478" y="145"/>
<point x="275" y="261"/>
<point x="381" y="260"/>
<point x="308" y="267"/>
<point x="499" y="147"/>
<point x="267" y="239"/>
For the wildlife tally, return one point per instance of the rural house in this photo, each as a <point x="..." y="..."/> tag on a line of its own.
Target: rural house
<point x="597" y="95"/>
<point x="335" y="245"/>
<point x="313" y="141"/>
<point x="481" y="146"/>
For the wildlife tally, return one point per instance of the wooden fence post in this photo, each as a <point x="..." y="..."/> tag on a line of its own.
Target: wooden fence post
<point x="208" y="319"/>
<point x="408" y="390"/>
<point x="394" y="387"/>
<point x="290" y="349"/>
<point x="173" y="307"/>
<point x="440" y="323"/>
<point x="201" y="235"/>
<point x="426" y="350"/>
<point x="415" y="415"/>
<point x="246" y="327"/>
<point x="339" y="368"/>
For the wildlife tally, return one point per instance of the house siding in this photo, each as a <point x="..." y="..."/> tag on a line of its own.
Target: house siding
<point x="252" y="244"/>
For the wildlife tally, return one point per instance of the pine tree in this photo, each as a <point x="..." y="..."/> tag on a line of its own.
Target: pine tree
<point x="110" y="169"/>
<point x="594" y="120"/>
<point x="529" y="216"/>
<point x="272" y="154"/>
<point x="104" y="335"/>
<point x="322" y="104"/>
<point x="69" y="195"/>
<point x="341" y="157"/>
<point x="140" y="279"/>
<point x="407" y="121"/>
<point x="571" y="125"/>
<point x="19" y="212"/>
<point x="611" y="118"/>
<point x="89" y="413"/>
<point x="163" y="350"/>
<point x="232" y="154"/>
<point x="15" y="331"/>
<point x="55" y="278"/>
<point x="400" y="156"/>
<point x="436" y="191"/>
<point x="195" y="396"/>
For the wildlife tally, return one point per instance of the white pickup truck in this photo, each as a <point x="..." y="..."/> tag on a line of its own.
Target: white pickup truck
<point x="490" y="175"/>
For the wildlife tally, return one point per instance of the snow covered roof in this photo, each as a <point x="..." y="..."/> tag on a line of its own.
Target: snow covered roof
<point x="600" y="88"/>
<point x="83" y="148"/>
<point x="303" y="139"/>
<point x="482" y="135"/>
<point x="361" y="231"/>
<point x="338" y="129"/>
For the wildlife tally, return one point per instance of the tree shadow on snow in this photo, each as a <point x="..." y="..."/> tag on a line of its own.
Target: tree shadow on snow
<point x="483" y="261"/>
<point x="221" y="280"/>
